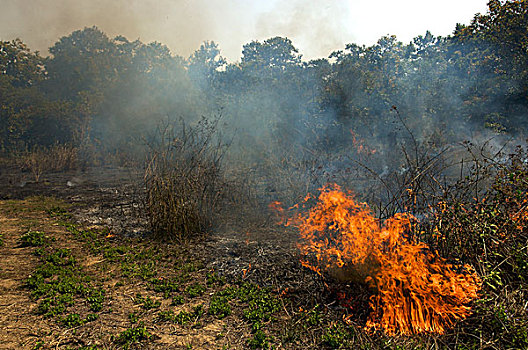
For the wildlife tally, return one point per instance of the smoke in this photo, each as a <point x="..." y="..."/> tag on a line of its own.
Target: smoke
<point x="180" y="24"/>
<point x="317" y="27"/>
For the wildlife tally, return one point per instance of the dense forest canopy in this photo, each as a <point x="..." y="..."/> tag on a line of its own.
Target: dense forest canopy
<point x="107" y="91"/>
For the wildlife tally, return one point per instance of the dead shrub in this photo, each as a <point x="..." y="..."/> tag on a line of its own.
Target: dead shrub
<point x="183" y="179"/>
<point x="56" y="158"/>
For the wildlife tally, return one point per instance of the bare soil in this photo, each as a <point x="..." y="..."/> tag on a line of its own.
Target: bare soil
<point x="104" y="201"/>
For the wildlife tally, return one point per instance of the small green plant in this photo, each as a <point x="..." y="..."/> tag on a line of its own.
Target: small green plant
<point x="33" y="239"/>
<point x="59" y="282"/>
<point x="91" y="318"/>
<point x="259" y="340"/>
<point x="335" y="336"/>
<point x="219" y="307"/>
<point x="133" y="317"/>
<point x="195" y="290"/>
<point x="314" y="316"/>
<point x="39" y="345"/>
<point x="95" y="298"/>
<point x="183" y="317"/>
<point x="133" y="335"/>
<point x="71" y="321"/>
<point x="166" y="316"/>
<point x="213" y="278"/>
<point x="165" y="286"/>
<point x="177" y="299"/>
<point x="149" y="303"/>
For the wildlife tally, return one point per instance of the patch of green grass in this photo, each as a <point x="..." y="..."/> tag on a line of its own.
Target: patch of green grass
<point x="260" y="305"/>
<point x="146" y="303"/>
<point x="219" y="307"/>
<point x="183" y="317"/>
<point x="59" y="212"/>
<point x="114" y="253"/>
<point x="166" y="316"/>
<point x="71" y="320"/>
<point x="177" y="299"/>
<point x="313" y="317"/>
<point x="75" y="320"/>
<point x="214" y="279"/>
<point x="259" y="340"/>
<point x="165" y="286"/>
<point x="132" y="335"/>
<point x="195" y="290"/>
<point x="149" y="303"/>
<point x="59" y="282"/>
<point x="133" y="317"/>
<point x="144" y="271"/>
<point x="34" y="203"/>
<point x="33" y="239"/>
<point x="335" y="336"/>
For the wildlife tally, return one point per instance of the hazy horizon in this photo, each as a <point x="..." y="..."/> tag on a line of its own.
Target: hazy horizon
<point x="316" y="27"/>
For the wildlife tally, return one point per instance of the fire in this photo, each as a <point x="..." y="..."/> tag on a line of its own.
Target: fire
<point x="416" y="290"/>
<point x="359" y="145"/>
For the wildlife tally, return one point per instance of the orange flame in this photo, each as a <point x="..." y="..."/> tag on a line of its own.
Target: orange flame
<point x="358" y="144"/>
<point x="417" y="290"/>
<point x="245" y="271"/>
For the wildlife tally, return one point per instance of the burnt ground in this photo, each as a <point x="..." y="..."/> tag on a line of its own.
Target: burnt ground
<point x="110" y="198"/>
<point x="96" y="216"/>
<point x="79" y="270"/>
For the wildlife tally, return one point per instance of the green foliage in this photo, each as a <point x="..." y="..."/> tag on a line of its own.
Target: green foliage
<point x="335" y="337"/>
<point x="259" y="340"/>
<point x="214" y="279"/>
<point x="133" y="335"/>
<point x="33" y="239"/>
<point x="133" y="317"/>
<point x="259" y="307"/>
<point x="59" y="283"/>
<point x="149" y="303"/>
<point x="71" y="321"/>
<point x="177" y="299"/>
<point x="165" y="286"/>
<point x="219" y="307"/>
<point x="490" y="232"/>
<point x="195" y="290"/>
<point x="183" y="317"/>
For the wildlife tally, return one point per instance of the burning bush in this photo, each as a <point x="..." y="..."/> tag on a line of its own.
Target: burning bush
<point x="416" y="290"/>
<point x="183" y="180"/>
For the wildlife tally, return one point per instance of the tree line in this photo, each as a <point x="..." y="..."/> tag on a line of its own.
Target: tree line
<point x="107" y="91"/>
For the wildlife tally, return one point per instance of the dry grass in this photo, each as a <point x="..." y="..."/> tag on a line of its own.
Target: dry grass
<point x="41" y="160"/>
<point x="183" y="180"/>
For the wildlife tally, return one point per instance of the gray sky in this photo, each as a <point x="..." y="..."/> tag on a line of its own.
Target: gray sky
<point x="316" y="27"/>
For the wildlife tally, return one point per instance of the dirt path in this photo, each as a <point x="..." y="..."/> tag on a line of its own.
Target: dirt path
<point x="19" y="325"/>
<point x="98" y="290"/>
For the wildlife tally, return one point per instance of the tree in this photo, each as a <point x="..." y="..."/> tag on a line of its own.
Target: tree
<point x="203" y="65"/>
<point x="275" y="53"/>
<point x="18" y="65"/>
<point x="497" y="42"/>
<point x="85" y="60"/>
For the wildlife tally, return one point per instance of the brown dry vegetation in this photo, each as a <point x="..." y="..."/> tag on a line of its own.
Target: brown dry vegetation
<point x="81" y="273"/>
